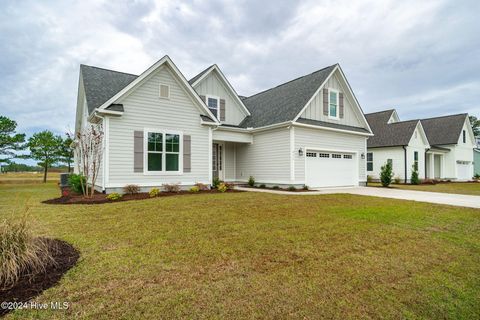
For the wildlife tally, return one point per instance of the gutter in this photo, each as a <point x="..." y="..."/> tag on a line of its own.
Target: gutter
<point x="405" y="157"/>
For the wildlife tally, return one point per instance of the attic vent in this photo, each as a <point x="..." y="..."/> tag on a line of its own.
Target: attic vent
<point x="164" y="91"/>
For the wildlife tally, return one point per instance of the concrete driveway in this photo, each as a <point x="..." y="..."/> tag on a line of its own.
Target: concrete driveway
<point x="459" y="200"/>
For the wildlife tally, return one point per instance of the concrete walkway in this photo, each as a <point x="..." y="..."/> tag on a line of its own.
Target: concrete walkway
<point x="451" y="199"/>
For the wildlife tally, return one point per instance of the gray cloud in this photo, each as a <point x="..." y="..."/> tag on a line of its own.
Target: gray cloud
<point x="420" y="57"/>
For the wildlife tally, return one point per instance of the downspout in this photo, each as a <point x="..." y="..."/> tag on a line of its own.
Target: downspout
<point x="405" y="158"/>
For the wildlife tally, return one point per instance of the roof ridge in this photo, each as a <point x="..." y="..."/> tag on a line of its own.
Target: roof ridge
<point x="380" y="111"/>
<point x="405" y="121"/>
<point x="282" y="84"/>
<point x="86" y="65"/>
<point x="446" y="116"/>
<point x="202" y="72"/>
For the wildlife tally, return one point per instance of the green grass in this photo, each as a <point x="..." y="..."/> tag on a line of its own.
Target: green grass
<point x="468" y="188"/>
<point x="256" y="255"/>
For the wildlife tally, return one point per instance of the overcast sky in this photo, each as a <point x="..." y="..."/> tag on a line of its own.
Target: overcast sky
<point x="420" y="57"/>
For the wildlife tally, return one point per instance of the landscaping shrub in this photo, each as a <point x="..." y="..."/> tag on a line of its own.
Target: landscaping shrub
<point x="20" y="252"/>
<point x="194" y="189"/>
<point x="397" y="180"/>
<point x="476" y="176"/>
<point x="305" y="187"/>
<point x="114" y="196"/>
<point x="386" y="174"/>
<point x="131" y="189"/>
<point x="230" y="186"/>
<point x="201" y="186"/>
<point x="275" y="187"/>
<point x="222" y="187"/>
<point x="414" y="179"/>
<point x="216" y="182"/>
<point x="251" y="181"/>
<point x="291" y="188"/>
<point x="429" y="181"/>
<point x="154" y="192"/>
<point x="75" y="181"/>
<point x="174" y="187"/>
<point x="262" y="186"/>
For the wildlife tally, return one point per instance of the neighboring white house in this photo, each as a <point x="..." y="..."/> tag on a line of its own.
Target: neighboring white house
<point x="160" y="129"/>
<point x="442" y="147"/>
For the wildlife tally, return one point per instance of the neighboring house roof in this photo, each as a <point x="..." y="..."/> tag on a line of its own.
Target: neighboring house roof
<point x="389" y="134"/>
<point x="102" y="84"/>
<point x="283" y="102"/>
<point x="444" y="130"/>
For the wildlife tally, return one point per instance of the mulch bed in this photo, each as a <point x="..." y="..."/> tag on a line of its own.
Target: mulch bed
<point x="99" y="198"/>
<point x="31" y="285"/>
<point x="279" y="189"/>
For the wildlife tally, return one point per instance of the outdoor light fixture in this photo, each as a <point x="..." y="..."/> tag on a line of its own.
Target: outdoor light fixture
<point x="363" y="155"/>
<point x="300" y="152"/>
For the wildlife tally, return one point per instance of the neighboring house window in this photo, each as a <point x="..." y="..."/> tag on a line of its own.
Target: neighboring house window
<point x="464" y="134"/>
<point x="213" y="104"/>
<point x="369" y="161"/>
<point x="332" y="104"/>
<point x="415" y="159"/>
<point x="163" y="151"/>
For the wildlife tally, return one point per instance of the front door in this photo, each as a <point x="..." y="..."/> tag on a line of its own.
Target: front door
<point x="217" y="161"/>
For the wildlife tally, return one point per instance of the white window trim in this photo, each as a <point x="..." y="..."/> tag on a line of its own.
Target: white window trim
<point x="164" y="132"/>
<point x="160" y="91"/>
<point x="368" y="161"/>
<point x="337" y="117"/>
<point x="218" y="104"/>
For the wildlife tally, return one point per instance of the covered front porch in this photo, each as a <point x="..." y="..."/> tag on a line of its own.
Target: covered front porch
<point x="435" y="163"/>
<point x="224" y="153"/>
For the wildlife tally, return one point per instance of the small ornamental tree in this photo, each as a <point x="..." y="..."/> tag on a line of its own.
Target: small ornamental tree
<point x="89" y="151"/>
<point x="414" y="177"/>
<point x="66" y="152"/>
<point x="386" y="174"/>
<point x="45" y="147"/>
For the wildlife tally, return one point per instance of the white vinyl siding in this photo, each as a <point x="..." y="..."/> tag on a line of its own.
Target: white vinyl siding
<point x="229" y="161"/>
<point x="143" y="110"/>
<point x="352" y="116"/>
<point x="267" y="158"/>
<point x="328" y="140"/>
<point x="212" y="85"/>
<point x="380" y="158"/>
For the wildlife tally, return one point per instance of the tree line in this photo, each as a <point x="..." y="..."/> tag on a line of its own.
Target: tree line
<point x="46" y="147"/>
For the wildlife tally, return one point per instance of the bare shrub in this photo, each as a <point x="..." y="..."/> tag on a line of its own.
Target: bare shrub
<point x="131" y="189"/>
<point x="201" y="186"/>
<point x="173" y="187"/>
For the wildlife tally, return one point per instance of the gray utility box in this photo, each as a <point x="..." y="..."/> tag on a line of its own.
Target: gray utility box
<point x="64" y="179"/>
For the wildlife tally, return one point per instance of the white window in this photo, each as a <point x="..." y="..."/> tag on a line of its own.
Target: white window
<point x="213" y="104"/>
<point x="369" y="161"/>
<point x="163" y="151"/>
<point x="164" y="91"/>
<point x="333" y="103"/>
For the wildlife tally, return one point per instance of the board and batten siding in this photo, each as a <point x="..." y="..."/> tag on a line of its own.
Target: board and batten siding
<point x="314" y="110"/>
<point x="145" y="109"/>
<point x="380" y="157"/>
<point x="267" y="159"/>
<point x="212" y="85"/>
<point x="327" y="140"/>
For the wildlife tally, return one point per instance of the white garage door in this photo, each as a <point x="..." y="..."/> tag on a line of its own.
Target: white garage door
<point x="464" y="170"/>
<point x="330" y="169"/>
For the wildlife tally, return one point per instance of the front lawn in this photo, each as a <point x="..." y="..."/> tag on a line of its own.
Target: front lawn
<point x="257" y="255"/>
<point x="469" y="188"/>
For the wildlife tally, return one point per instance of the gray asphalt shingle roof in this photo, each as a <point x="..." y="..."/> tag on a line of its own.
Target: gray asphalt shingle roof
<point x="283" y="102"/>
<point x="389" y="134"/>
<point x="331" y="125"/>
<point x="444" y="130"/>
<point x="192" y="81"/>
<point x="102" y="84"/>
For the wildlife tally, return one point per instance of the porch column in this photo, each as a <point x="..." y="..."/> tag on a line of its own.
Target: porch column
<point x="431" y="168"/>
